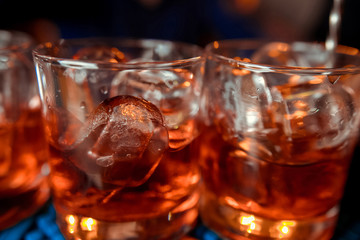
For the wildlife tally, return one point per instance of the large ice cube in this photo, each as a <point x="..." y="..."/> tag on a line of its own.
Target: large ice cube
<point x="308" y="117"/>
<point x="175" y="93"/>
<point x="286" y="116"/>
<point x="297" y="54"/>
<point x="241" y="104"/>
<point x="122" y="141"/>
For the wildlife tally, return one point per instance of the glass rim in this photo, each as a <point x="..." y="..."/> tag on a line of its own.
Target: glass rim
<point x="266" y="68"/>
<point x="17" y="41"/>
<point x="123" y="42"/>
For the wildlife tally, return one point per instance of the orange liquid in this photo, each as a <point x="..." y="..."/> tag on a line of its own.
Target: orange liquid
<point x="307" y="184"/>
<point x="173" y="181"/>
<point x="163" y="204"/>
<point x="23" y="153"/>
<point x="111" y="176"/>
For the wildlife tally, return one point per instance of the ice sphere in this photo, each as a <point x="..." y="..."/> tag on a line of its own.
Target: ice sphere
<point x="174" y="92"/>
<point x="297" y="54"/>
<point x="100" y="53"/>
<point x="122" y="141"/>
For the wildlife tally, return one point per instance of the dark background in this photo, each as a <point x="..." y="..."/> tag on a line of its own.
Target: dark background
<point x="196" y="21"/>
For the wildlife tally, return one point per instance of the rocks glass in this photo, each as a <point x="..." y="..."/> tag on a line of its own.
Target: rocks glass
<point x="23" y="148"/>
<point x="122" y="117"/>
<point x="283" y="123"/>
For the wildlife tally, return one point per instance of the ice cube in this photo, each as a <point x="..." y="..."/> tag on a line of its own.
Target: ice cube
<point x="333" y="119"/>
<point x="89" y="86"/>
<point x="123" y="141"/>
<point x="175" y="93"/>
<point x="100" y="53"/>
<point x="315" y="115"/>
<point x="297" y="54"/>
<point x="310" y="54"/>
<point x="162" y="52"/>
<point x="242" y="104"/>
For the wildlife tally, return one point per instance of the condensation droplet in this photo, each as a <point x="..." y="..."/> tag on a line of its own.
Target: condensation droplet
<point x="83" y="105"/>
<point x="104" y="90"/>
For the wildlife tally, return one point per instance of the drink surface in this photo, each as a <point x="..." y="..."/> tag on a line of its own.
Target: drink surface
<point x="23" y="184"/>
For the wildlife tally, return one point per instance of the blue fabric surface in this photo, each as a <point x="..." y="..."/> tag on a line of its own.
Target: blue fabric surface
<point x="42" y="226"/>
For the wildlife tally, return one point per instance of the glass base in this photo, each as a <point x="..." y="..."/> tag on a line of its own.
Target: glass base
<point x="172" y="225"/>
<point x="17" y="208"/>
<point x="232" y="223"/>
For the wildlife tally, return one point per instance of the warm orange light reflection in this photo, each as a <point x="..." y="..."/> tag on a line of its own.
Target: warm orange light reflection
<point x="283" y="230"/>
<point x="71" y="220"/>
<point x="247" y="220"/>
<point x="294" y="79"/>
<point x="284" y="47"/>
<point x="301" y="104"/>
<point x="48" y="44"/>
<point x="71" y="229"/>
<point x="232" y="202"/>
<point x="133" y="112"/>
<point x="187" y="84"/>
<point x="299" y="114"/>
<point x="347" y="50"/>
<point x="274" y="53"/>
<point x="247" y="6"/>
<point x="317" y="80"/>
<point x="250" y="224"/>
<point x="240" y="72"/>
<point x="216" y="44"/>
<point x="242" y="59"/>
<point x="88" y="224"/>
<point x="278" y="49"/>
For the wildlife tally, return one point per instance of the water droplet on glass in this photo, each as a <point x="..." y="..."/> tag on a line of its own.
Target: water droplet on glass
<point x="104" y="90"/>
<point x="83" y="105"/>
